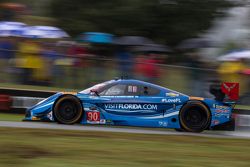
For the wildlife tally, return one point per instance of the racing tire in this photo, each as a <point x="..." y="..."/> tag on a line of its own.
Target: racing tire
<point x="68" y="110"/>
<point x="194" y="117"/>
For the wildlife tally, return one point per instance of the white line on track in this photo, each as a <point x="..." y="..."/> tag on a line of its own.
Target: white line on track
<point x="45" y="125"/>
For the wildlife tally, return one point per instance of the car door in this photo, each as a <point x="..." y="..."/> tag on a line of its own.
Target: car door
<point x="131" y="104"/>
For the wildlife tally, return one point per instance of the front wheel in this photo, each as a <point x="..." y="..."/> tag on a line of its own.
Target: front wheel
<point x="194" y="117"/>
<point x="68" y="110"/>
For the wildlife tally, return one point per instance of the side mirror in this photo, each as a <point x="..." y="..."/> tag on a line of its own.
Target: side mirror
<point x="94" y="92"/>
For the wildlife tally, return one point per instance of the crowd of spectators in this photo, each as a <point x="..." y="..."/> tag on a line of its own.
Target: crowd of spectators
<point x="70" y="64"/>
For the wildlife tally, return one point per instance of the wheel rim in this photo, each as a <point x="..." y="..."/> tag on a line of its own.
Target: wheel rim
<point x="68" y="111"/>
<point x="195" y="118"/>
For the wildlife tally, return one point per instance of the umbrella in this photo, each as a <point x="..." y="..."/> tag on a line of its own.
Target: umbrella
<point x="43" y="32"/>
<point x="96" y="37"/>
<point x="233" y="56"/>
<point x="8" y="28"/>
<point x="194" y="43"/>
<point x="132" y="40"/>
<point x="153" y="48"/>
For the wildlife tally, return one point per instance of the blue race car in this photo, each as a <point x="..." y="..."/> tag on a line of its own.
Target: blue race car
<point x="127" y="102"/>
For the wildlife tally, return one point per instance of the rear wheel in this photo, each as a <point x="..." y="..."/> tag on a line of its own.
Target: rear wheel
<point x="194" y="117"/>
<point x="68" y="110"/>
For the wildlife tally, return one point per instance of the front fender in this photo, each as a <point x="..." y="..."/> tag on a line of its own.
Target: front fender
<point x="42" y="108"/>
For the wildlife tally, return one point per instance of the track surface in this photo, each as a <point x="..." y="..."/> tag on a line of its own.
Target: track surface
<point x="45" y="125"/>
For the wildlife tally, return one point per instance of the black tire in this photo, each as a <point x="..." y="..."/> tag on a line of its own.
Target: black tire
<point x="68" y="110"/>
<point x="194" y="117"/>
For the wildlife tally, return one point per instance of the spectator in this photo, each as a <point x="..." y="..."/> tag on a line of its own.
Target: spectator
<point x="151" y="69"/>
<point x="125" y="61"/>
<point x="6" y="53"/>
<point x="50" y="55"/>
<point x="140" y="67"/>
<point x="30" y="62"/>
<point x="230" y="71"/>
<point x="78" y="52"/>
<point x="196" y="76"/>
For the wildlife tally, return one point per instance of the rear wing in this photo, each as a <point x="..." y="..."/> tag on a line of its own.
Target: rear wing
<point x="231" y="89"/>
<point x="225" y="91"/>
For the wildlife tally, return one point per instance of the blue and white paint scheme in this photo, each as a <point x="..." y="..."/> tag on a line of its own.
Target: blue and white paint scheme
<point x="131" y="103"/>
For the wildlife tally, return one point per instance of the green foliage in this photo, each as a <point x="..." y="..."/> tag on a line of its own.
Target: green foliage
<point x="167" y="21"/>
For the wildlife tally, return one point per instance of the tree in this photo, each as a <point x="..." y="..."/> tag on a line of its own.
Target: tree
<point x="163" y="22"/>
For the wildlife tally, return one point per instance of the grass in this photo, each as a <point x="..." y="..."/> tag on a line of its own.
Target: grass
<point x="243" y="107"/>
<point x="32" y="147"/>
<point x="28" y="147"/>
<point x="11" y="117"/>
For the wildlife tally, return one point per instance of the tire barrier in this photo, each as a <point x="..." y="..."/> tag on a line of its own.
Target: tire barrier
<point x="16" y="104"/>
<point x="20" y="99"/>
<point x="5" y="103"/>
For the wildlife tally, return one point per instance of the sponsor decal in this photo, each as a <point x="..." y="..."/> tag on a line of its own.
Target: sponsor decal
<point x="108" y="121"/>
<point x="50" y="115"/>
<point x="93" y="117"/>
<point x="222" y="115"/>
<point x="222" y="111"/>
<point x="221" y="107"/>
<point x="131" y="106"/>
<point x="216" y="122"/>
<point x="120" y="96"/>
<point x="171" y="94"/>
<point x="163" y="123"/>
<point x="132" y="89"/>
<point x="176" y="100"/>
<point x="231" y="89"/>
<point x="102" y="121"/>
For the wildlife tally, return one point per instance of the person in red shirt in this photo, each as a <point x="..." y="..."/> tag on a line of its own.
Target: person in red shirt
<point x="147" y="68"/>
<point x="78" y="70"/>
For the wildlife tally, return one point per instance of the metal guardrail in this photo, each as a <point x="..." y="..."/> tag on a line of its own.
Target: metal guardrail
<point x="24" y="102"/>
<point x="242" y="120"/>
<point x="26" y="92"/>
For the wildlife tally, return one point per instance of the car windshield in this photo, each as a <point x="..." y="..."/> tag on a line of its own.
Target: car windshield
<point x="95" y="87"/>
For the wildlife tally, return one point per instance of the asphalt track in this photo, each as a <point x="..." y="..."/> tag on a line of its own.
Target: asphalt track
<point x="55" y="126"/>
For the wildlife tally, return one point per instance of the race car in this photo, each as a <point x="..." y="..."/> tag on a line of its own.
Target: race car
<point x="129" y="102"/>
